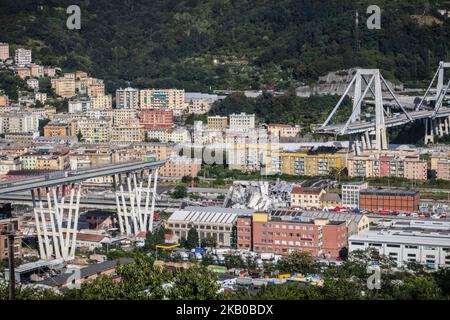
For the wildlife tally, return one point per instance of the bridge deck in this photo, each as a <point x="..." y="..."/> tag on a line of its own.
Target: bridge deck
<point x="363" y="126"/>
<point x="48" y="181"/>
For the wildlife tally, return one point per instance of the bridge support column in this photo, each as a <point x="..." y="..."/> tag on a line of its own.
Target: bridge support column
<point x="57" y="221"/>
<point x="136" y="201"/>
<point x="430" y="125"/>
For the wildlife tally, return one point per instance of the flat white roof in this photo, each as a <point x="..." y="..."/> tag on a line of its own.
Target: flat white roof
<point x="402" y="237"/>
<point x="205" y="215"/>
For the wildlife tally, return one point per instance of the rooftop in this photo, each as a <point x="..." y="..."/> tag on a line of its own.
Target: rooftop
<point x="390" y="192"/>
<point x="91" y="270"/>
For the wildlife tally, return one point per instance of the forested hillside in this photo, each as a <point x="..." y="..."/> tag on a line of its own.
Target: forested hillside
<point x="229" y="44"/>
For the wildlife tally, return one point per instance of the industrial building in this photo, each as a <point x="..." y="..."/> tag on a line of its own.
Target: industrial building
<point x="423" y="241"/>
<point x="213" y="222"/>
<point x="389" y="199"/>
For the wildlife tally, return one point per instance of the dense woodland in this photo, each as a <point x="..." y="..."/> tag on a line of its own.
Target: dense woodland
<point x="229" y="44"/>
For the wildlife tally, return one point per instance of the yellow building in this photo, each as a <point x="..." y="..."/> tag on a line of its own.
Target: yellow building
<point x="45" y="160"/>
<point x="4" y="101"/>
<point x="306" y="197"/>
<point x="172" y="99"/>
<point x="217" y="123"/>
<point x="263" y="157"/>
<point x="96" y="89"/>
<point x="128" y="133"/>
<point x="304" y="164"/>
<point x="64" y="87"/>
<point x="101" y="102"/>
<point x="94" y="130"/>
<point x="161" y="150"/>
<point x="23" y="72"/>
<point x="122" y="116"/>
<point x="56" y="129"/>
<point x="330" y="200"/>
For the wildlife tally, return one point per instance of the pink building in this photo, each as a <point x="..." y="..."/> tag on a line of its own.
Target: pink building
<point x="180" y="167"/>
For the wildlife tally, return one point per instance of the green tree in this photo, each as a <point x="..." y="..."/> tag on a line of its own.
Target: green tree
<point x="297" y="262"/>
<point x="209" y="242"/>
<point x="194" y="284"/>
<point x="180" y="192"/>
<point x="192" y="239"/>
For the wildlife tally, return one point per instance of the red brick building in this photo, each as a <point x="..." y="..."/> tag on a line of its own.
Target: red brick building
<point x="156" y="118"/>
<point x="265" y="234"/>
<point x="389" y="199"/>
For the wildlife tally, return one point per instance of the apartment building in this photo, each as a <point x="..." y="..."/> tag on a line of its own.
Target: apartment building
<point x="45" y="159"/>
<point x="443" y="169"/>
<point x="41" y="97"/>
<point x="65" y="86"/>
<point x="180" y="167"/>
<point x="156" y="119"/>
<point x="389" y="199"/>
<point x="94" y="130"/>
<point x="49" y="71"/>
<point x="23" y="72"/>
<point x="33" y="83"/>
<point x="242" y="122"/>
<point x="212" y="222"/>
<point x="172" y="99"/>
<point x="160" y="150"/>
<point x="128" y="132"/>
<point x="79" y="105"/>
<point x="264" y="233"/>
<point x="101" y="102"/>
<point x="124" y="116"/>
<point x="127" y="98"/>
<point x="217" y="123"/>
<point x="95" y="88"/>
<point x="57" y="129"/>
<point x="283" y="130"/>
<point x="36" y="70"/>
<point x="19" y="122"/>
<point x="254" y="156"/>
<point x="302" y="197"/>
<point x="89" y="155"/>
<point x="313" y="162"/>
<point x="402" y="164"/>
<point x="22" y="57"/>
<point x="350" y="193"/>
<point x="4" y="51"/>
<point x="199" y="106"/>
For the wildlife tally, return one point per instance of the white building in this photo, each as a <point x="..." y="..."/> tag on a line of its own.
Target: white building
<point x="22" y="57"/>
<point x="33" y="84"/>
<point x="424" y="241"/>
<point x="19" y="122"/>
<point x="214" y="222"/>
<point x="40" y="96"/>
<point x="350" y="194"/>
<point x="79" y="105"/>
<point x="242" y="122"/>
<point x="127" y="98"/>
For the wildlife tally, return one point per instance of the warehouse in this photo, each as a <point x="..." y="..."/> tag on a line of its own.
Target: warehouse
<point x="215" y="222"/>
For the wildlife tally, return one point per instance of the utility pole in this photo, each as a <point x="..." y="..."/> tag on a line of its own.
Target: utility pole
<point x="12" y="278"/>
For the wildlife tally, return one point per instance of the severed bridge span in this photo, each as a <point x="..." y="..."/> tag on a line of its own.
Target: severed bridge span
<point x="369" y="133"/>
<point x="56" y="202"/>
